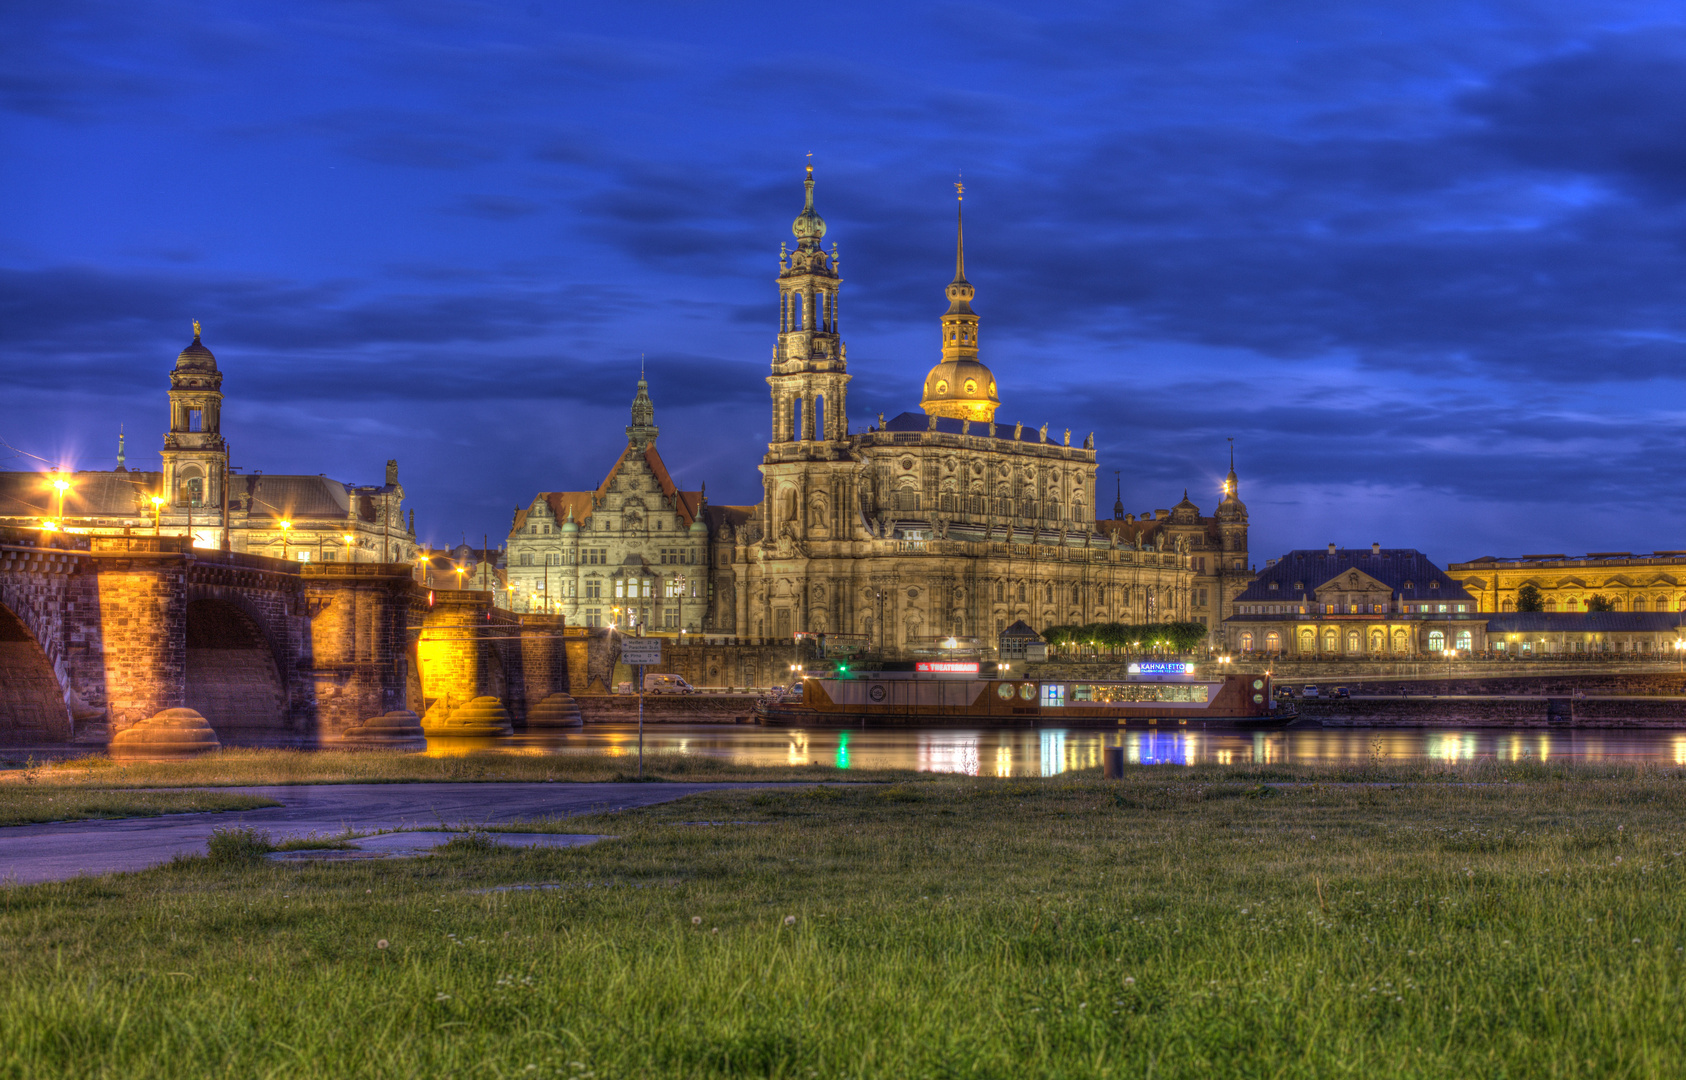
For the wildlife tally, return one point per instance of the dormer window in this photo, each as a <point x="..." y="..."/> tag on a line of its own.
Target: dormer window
<point x="1273" y="586"/>
<point x="1409" y="585"/>
<point x="1300" y="585"/>
<point x="1434" y="584"/>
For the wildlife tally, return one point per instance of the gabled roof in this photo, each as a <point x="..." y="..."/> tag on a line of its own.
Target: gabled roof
<point x="584" y="503"/>
<point x="1300" y="573"/>
<point x="1021" y="629"/>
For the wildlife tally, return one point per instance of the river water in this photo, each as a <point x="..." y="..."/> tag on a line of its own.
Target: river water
<point x="1051" y="751"/>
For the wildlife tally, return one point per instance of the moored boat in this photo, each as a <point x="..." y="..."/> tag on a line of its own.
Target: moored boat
<point x="981" y="694"/>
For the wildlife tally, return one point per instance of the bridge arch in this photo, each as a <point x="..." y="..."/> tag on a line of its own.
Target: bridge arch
<point x="232" y="676"/>
<point x="32" y="705"/>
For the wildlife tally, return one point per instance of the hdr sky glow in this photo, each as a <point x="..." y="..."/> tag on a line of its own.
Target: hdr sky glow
<point x="1425" y="262"/>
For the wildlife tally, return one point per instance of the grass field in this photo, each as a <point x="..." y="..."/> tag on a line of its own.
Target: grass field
<point x="28" y="804"/>
<point x="1171" y="925"/>
<point x="244" y="767"/>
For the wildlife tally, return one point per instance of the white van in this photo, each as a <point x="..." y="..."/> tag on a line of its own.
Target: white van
<point x="667" y="684"/>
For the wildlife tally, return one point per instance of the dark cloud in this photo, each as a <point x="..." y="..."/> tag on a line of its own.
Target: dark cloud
<point x="1426" y="265"/>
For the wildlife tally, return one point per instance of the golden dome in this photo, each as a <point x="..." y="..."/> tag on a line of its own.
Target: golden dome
<point x="963" y="389"/>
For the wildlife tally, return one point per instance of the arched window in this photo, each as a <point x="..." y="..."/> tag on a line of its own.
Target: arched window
<point x="1273" y="642"/>
<point x="1021" y="592"/>
<point x="796" y="311"/>
<point x="1308" y="641"/>
<point x="907" y="498"/>
<point x="1050" y="594"/>
<point x="1436" y="641"/>
<point x="1000" y="591"/>
<point x="1077" y="594"/>
<point x="819" y="416"/>
<point x="1465" y="640"/>
<point x="1551" y="605"/>
<point x="1508" y="605"/>
<point x="1329" y="641"/>
<point x="1247" y="642"/>
<point x="1352" y="641"/>
<point x="1376" y="641"/>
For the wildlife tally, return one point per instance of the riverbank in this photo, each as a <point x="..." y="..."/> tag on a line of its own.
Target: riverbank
<point x="1172" y="924"/>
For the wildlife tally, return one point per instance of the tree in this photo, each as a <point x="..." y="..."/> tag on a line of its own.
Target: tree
<point x="1528" y="599"/>
<point x="1600" y="602"/>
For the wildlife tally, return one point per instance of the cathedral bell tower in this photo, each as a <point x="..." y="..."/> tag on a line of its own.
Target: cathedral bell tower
<point x="195" y="455"/>
<point x="810" y="372"/>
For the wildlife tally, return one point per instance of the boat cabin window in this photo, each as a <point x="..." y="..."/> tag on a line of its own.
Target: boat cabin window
<point x="1053" y="694"/>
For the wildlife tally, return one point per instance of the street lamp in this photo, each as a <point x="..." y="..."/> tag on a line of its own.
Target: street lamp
<point x="285" y="525"/>
<point x="1449" y="654"/>
<point x="350" y="551"/>
<point x="60" y="486"/>
<point x="1680" y="652"/>
<point x="157" y="508"/>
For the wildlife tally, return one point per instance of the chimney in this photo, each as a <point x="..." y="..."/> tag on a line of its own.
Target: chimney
<point x="1331" y="549"/>
<point x="1375" y="549"/>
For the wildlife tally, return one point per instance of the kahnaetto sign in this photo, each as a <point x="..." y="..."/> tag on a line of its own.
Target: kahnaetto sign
<point x="951" y="667"/>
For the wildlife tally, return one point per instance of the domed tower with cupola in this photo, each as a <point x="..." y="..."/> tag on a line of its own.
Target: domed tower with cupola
<point x="810" y="376"/>
<point x="960" y="386"/>
<point x="195" y="455"/>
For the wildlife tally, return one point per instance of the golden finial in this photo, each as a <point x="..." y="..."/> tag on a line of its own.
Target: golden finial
<point x="196" y="329"/>
<point x="959" y="191"/>
<point x="810" y="163"/>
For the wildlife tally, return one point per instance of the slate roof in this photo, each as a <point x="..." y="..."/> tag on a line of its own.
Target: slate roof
<point x="293" y="497"/>
<point x="103" y="494"/>
<point x="1596" y="622"/>
<point x="1299" y="573"/>
<point x="1021" y="629"/>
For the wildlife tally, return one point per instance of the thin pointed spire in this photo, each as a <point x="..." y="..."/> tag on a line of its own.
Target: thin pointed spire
<point x="959" y="231"/>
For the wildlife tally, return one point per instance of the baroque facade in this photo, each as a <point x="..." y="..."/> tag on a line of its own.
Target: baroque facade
<point x="1633" y="583"/>
<point x="1383" y="602"/>
<point x="632" y="553"/>
<point x="196" y="493"/>
<point x="929" y="525"/>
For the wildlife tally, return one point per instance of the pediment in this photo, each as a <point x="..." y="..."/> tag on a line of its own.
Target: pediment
<point x="1354" y="580"/>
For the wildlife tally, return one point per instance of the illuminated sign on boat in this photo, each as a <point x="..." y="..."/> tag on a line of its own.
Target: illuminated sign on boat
<point x="953" y="667"/>
<point x="1161" y="667"/>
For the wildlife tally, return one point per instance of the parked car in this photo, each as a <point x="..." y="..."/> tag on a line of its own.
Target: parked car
<point x="1342" y="691"/>
<point x="1284" y="693"/>
<point x="1311" y="691"/>
<point x="667" y="684"/>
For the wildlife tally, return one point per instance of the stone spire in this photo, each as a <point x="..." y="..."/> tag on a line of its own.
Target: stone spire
<point x="642" y="430"/>
<point x="121" y="466"/>
<point x="1118" y="504"/>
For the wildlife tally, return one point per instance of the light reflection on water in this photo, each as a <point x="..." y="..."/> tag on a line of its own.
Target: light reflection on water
<point x="1050" y="751"/>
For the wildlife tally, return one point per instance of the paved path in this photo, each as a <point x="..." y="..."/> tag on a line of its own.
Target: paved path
<point x="32" y="853"/>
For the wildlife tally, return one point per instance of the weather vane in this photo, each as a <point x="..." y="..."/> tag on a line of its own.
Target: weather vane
<point x="959" y="188"/>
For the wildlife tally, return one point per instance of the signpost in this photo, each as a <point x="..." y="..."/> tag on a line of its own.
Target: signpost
<point x="639" y="653"/>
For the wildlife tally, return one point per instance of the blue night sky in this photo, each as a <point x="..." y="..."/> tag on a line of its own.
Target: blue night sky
<point x="1424" y="262"/>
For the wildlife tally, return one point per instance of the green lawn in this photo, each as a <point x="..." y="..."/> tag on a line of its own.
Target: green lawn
<point x="29" y="804"/>
<point x="1173" y="925"/>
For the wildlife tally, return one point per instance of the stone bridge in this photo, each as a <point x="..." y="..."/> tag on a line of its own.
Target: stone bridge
<point x="100" y="633"/>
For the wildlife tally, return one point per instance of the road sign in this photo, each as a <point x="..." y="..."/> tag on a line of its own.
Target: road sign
<point x="641" y="652"/>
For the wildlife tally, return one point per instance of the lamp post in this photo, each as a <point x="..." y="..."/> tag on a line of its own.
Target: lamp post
<point x="157" y="509"/>
<point x="285" y="525"/>
<point x="1449" y="654"/>
<point x="350" y="551"/>
<point x="1680" y="652"/>
<point x="60" y="486"/>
